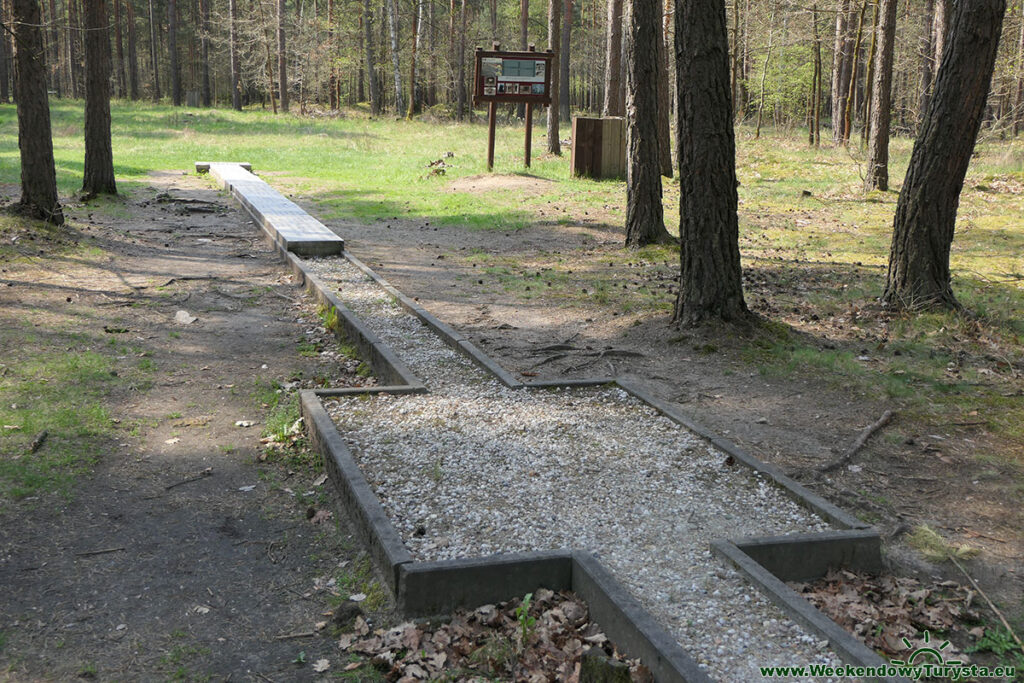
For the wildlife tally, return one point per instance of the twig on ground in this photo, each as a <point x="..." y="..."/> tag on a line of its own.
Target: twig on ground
<point x="289" y="636"/>
<point x="548" y="360"/>
<point x="982" y="593"/>
<point x="283" y="296"/>
<point x="859" y="443"/>
<point x="101" y="551"/>
<point x="205" y="473"/>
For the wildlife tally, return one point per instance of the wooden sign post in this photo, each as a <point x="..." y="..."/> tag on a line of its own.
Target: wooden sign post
<point x="511" y="77"/>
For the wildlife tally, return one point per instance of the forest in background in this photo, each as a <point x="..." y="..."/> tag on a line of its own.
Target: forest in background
<point x="791" y="63"/>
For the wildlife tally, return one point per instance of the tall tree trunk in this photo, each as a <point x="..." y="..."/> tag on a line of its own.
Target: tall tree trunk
<point x="431" y="56"/>
<point x="710" y="284"/>
<point x="461" y="87"/>
<point x="764" y="68"/>
<point x="854" y="63"/>
<point x="5" y="57"/>
<point x="119" y="43"/>
<point x="563" y="65"/>
<point x="236" y="85"/>
<point x="172" y="44"/>
<point x="1018" y="100"/>
<point x="645" y="220"/>
<point x="417" y="19"/>
<point x="282" y="56"/>
<point x="881" y="99"/>
<point x="332" y="80"/>
<point x="55" y="65"/>
<point x="133" y="53"/>
<point x="554" y="42"/>
<point x="926" y="56"/>
<point x="664" y="104"/>
<point x="918" y="275"/>
<point x="940" y="31"/>
<point x="817" y="86"/>
<point x="396" y="67"/>
<point x="38" y="175"/>
<point x="613" y="60"/>
<point x="153" y="47"/>
<point x="869" y="79"/>
<point x="204" y="49"/>
<point x="74" y="36"/>
<point x="840" y="69"/>
<point x="98" y="172"/>
<point x="371" y="72"/>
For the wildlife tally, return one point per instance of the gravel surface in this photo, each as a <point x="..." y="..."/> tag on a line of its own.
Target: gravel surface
<point x="474" y="468"/>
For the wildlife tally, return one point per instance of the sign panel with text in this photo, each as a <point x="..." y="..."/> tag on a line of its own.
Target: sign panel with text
<point x="512" y="77"/>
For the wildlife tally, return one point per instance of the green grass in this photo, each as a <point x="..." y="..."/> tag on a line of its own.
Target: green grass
<point x="359" y="577"/>
<point x="814" y="247"/>
<point x="59" y="380"/>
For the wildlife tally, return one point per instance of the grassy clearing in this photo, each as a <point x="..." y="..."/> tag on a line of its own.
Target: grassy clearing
<point x="814" y="247"/>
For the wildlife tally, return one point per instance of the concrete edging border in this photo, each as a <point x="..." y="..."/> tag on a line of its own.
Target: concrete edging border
<point x="424" y="588"/>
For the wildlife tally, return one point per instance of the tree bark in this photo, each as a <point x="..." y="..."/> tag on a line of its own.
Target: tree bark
<point x="563" y="65"/>
<point x="5" y="57"/>
<point x="664" y="104"/>
<point x="645" y="220"/>
<point x="416" y="22"/>
<point x="122" y="85"/>
<point x="236" y="85"/>
<point x="840" y="69"/>
<point x="371" y="72"/>
<point x="172" y="44"/>
<point x="38" y="175"/>
<point x="613" y="60"/>
<point x="926" y="56"/>
<point x="710" y="278"/>
<point x="918" y="275"/>
<point x="204" y="48"/>
<point x="98" y="172"/>
<point x="814" y="107"/>
<point x="396" y="66"/>
<point x="54" y="46"/>
<point x="881" y="99"/>
<point x="153" y="45"/>
<point x="1018" y="100"/>
<point x="461" y="75"/>
<point x="848" y="110"/>
<point x="554" y="42"/>
<point x="869" y="77"/>
<point x="133" y="54"/>
<point x="764" y="69"/>
<point x="282" y="56"/>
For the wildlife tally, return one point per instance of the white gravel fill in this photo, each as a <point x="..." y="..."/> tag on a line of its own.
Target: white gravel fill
<point x="475" y="468"/>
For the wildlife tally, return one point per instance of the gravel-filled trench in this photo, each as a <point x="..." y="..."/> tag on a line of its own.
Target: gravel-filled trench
<point x="475" y="468"/>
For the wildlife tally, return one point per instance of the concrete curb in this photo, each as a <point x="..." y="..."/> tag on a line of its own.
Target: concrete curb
<point x="849" y="649"/>
<point x="429" y="588"/>
<point x="368" y="517"/>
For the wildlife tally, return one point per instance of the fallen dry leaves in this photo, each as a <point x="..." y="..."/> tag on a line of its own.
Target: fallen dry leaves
<point x="488" y="643"/>
<point x="883" y="610"/>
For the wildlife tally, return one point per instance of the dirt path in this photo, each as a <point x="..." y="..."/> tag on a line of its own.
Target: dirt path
<point x="185" y="556"/>
<point x="909" y="476"/>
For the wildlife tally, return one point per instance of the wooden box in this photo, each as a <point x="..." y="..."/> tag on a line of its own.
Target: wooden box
<point x="598" y="147"/>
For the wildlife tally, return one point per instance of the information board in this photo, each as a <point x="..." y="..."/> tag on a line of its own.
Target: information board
<point x="512" y="77"/>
